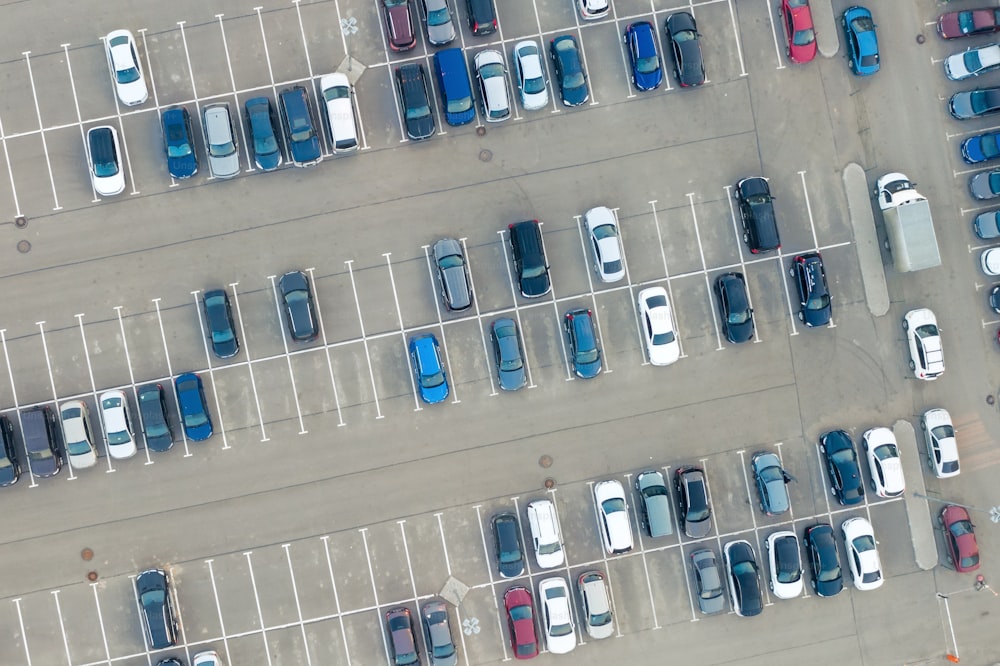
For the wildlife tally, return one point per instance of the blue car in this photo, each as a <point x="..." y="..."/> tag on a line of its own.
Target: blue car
<point x="299" y="127"/>
<point x="432" y="382"/>
<point x="194" y="412"/>
<point x="262" y="124"/>
<point x="182" y="161"/>
<point x="584" y="352"/>
<point x="862" y="42"/>
<point x="981" y="148"/>
<point x="640" y="40"/>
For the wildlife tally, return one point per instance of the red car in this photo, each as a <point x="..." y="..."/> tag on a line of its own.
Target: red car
<point x="963" y="551"/>
<point x="521" y="620"/>
<point x="798" y="22"/>
<point x="399" y="25"/>
<point x="968" y="22"/>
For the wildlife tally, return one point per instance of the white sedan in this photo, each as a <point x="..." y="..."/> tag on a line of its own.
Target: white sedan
<point x="529" y="76"/>
<point x="942" y="450"/>
<point x="612" y="518"/>
<point x="76" y="428"/>
<point x="989" y="260"/>
<point x="972" y="62"/>
<point x="658" y="326"/>
<point x="866" y="568"/>
<point x="126" y="72"/>
<point x="117" y="425"/>
<point x="606" y="243"/>
<point x="593" y="9"/>
<point x="924" y="338"/>
<point x="785" y="564"/>
<point x="883" y="462"/>
<point x="104" y="154"/>
<point x="557" y="618"/>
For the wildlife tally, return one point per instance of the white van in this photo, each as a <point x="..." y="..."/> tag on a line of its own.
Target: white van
<point x="340" y="120"/>
<point x="544" y="527"/>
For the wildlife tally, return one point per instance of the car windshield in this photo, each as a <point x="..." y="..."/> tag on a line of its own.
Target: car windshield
<point x="862" y="24"/>
<point x="605" y="231"/>
<point x="663" y="338"/>
<point x="196" y="419"/>
<point x="995" y="181"/>
<point x="961" y="528"/>
<point x="863" y="543"/>
<point x="831" y="574"/>
<point x="739" y="317"/>
<point x="804" y="37"/>
<point x="301" y="130"/>
<point x="769" y="474"/>
<point x="155" y="429"/>
<point x="106" y="167"/>
<point x="438" y="16"/>
<point x="432" y="380"/>
<point x="886" y="452"/>
<point x="78" y="448"/>
<point x="534" y="271"/>
<point x="600" y="619"/>
<point x="971" y="60"/>
<point x="177" y="142"/>
<point x="127" y="75"/>
<point x="647" y="65"/>
<point x="520" y="613"/>
<point x="988" y="145"/>
<point x="221" y="149"/>
<point x="872" y="576"/>
<point x="613" y="505"/>
<point x="685" y="36"/>
<point x="653" y="491"/>
<point x="983" y="101"/>
<point x="926" y="331"/>
<point x="966" y="22"/>
<point x="451" y="261"/>
<point x="549" y="548"/>
<point x="491" y="70"/>
<point x="818" y="301"/>
<point x="573" y="79"/>
<point x="296" y="297"/>
<point x="697" y="503"/>
<point x="153" y="599"/>
<point x="561" y="629"/>
<point x="842" y="457"/>
<point x="969" y="561"/>
<point x="460" y="105"/>
<point x="943" y="432"/>
<point x="119" y="437"/>
<point x="743" y="569"/>
<point x="416" y="112"/>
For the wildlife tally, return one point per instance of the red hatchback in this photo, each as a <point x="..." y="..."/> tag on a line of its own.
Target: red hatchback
<point x="963" y="551"/>
<point x="399" y="25"/>
<point x="521" y="620"/>
<point x="799" y="31"/>
<point x="969" y="22"/>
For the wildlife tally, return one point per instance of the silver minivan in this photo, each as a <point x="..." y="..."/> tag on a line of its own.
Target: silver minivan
<point x="220" y="141"/>
<point x="336" y="92"/>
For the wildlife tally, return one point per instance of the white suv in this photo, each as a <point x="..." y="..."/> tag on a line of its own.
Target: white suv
<point x="544" y="525"/>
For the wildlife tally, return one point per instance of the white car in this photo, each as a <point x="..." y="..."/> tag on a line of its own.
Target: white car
<point x="972" y="62"/>
<point x="785" y="564"/>
<point x="658" y="326"/>
<point x="557" y="618"/>
<point x="612" y="517"/>
<point x="866" y="569"/>
<point x="207" y="658"/>
<point x="76" y="431"/>
<point x="597" y="617"/>
<point x="126" y="72"/>
<point x="942" y="450"/>
<point x="104" y="155"/>
<point x="593" y="9"/>
<point x="220" y="141"/>
<point x="492" y="85"/>
<point x="883" y="462"/>
<point x="606" y="243"/>
<point x="544" y="526"/>
<point x="530" y="76"/>
<point x="117" y="425"/>
<point x="336" y="91"/>
<point x="990" y="261"/>
<point x="924" y="338"/>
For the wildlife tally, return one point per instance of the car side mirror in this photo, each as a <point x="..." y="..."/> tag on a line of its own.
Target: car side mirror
<point x="788" y="477"/>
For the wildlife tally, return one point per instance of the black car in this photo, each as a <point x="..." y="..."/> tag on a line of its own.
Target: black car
<point x="153" y="588"/>
<point x="584" y="352"/>
<point x="995" y="298"/>
<point x="692" y="499"/>
<point x="482" y="16"/>
<point x="760" y="227"/>
<point x="744" y="578"/>
<point x="734" y="306"/>
<point x="299" y="126"/>
<point x="569" y="70"/>
<point x="814" y="294"/>
<point x="508" y="353"/>
<point x="415" y="100"/>
<point x="507" y="539"/>
<point x="153" y="411"/>
<point x="824" y="560"/>
<point x="682" y="33"/>
<point x="221" y="328"/>
<point x="10" y="467"/>
<point x="262" y="124"/>
<point x="404" y="643"/>
<point x="300" y="314"/>
<point x="530" y="264"/>
<point x="842" y="465"/>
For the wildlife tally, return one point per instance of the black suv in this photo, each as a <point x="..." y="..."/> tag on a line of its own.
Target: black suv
<point x="734" y="306"/>
<point x="507" y="539"/>
<point x="842" y="465"/>
<point x="529" y="259"/>
<point x="760" y="228"/>
<point x="415" y="101"/>
<point x="814" y="295"/>
<point x="153" y="588"/>
<point x="10" y="468"/>
<point x="482" y="16"/>
<point x="692" y="499"/>
<point x="221" y="329"/>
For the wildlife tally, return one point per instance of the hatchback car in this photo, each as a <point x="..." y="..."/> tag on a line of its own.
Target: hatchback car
<point x="453" y="274"/>
<point x="987" y="225"/>
<point x="644" y="60"/>
<point x="153" y="414"/>
<point x="605" y="241"/>
<point x="399" y="25"/>
<point x="221" y="328"/>
<point x="924" y="341"/>
<point x="492" y="85"/>
<point x="528" y="252"/>
<point x="968" y="22"/>
<point x="597" y="616"/>
<point x="824" y="560"/>
<point x="76" y="428"/>
<point x="437" y="634"/>
<point x="657" y="322"/>
<point x="985" y="185"/>
<point x="300" y="312"/>
<point x="220" y="141"/>
<point x="734" y="307"/>
<point x="743" y="578"/>
<point x="862" y="41"/>
<point x="654" y="503"/>
<point x="404" y="643"/>
<point x="711" y="599"/>
<point x="960" y="538"/>
<point x="785" y="564"/>
<point x="942" y="449"/>
<point x="508" y="354"/>
<point x="584" y="351"/>
<point x="207" y="658"/>
<point x="694" y="511"/>
<point x="770" y="480"/>
<point x="153" y="588"/>
<point x="685" y="47"/>
<point x="981" y="147"/>
<point x="557" y="618"/>
<point x="262" y="125"/>
<point x="974" y="103"/>
<point x="41" y="441"/>
<point x="117" y="424"/>
<point x="415" y="101"/>
<point x="842" y="466"/>
<point x="862" y="554"/>
<point x="613" y="520"/>
<point x="507" y="542"/>
<point x="543" y="523"/>
<point x="529" y="76"/>
<point x="482" y="16"/>
<point x="800" y="35"/>
<point x="570" y="76"/>
<point x="521" y="622"/>
<point x="299" y="127"/>
<point x="883" y="462"/>
<point x="989" y="261"/>
<point x="10" y="466"/>
<point x="194" y="410"/>
<point x="338" y="107"/>
<point x="440" y="26"/>
<point x="428" y="371"/>
<point x="760" y="226"/>
<point x="972" y="62"/>
<point x="126" y="70"/>
<point x="104" y="155"/>
<point x="593" y="9"/>
<point x="814" y="295"/>
<point x="178" y="142"/>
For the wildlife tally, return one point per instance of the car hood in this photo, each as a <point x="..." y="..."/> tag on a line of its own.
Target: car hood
<point x="305" y="151"/>
<point x="892" y="469"/>
<point x="400" y="26"/>
<point x="960" y="105"/>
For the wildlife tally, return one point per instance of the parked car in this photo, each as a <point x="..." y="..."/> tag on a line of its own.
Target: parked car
<point x="440" y="26"/>
<point x="557" y="619"/>
<point x="126" y="70"/>
<point x="404" y="643"/>
<point x="644" y="59"/>
<point x="597" y="616"/>
<point x="452" y="73"/>
<point x="987" y="225"/>
<point x="399" y="25"/>
<point x="824" y="560"/>
<point x="529" y="76"/>
<point x="924" y="340"/>
<point x="10" y="466"/>
<point x="584" y="352"/>
<point x="814" y="293"/>
<point x="569" y="72"/>
<point x="734" y="307"/>
<point x="743" y="578"/>
<point x="685" y="47"/>
<point x="985" y="185"/>
<point x="785" y="564"/>
<point x="178" y="144"/>
<point x="800" y="35"/>
<point x="153" y="413"/>
<point x="989" y="261"/>
<point x="300" y="312"/>
<point x="883" y="462"/>
<point x="153" y="589"/>
<point x="41" y="441"/>
<point x="605" y="241"/>
<point x="117" y="424"/>
<point x="968" y="22"/>
<point x="770" y="480"/>
<point x="339" y="107"/>
<point x="482" y="16"/>
<point x="453" y="274"/>
<point x="521" y="622"/>
<point x="206" y="658"/>
<point x="194" y="411"/>
<point x="528" y="251"/>
<point x="654" y="503"/>
<point x="694" y="511"/>
<point x="842" y="466"/>
<point x="428" y="371"/>
<point x="942" y="449"/>
<point x="490" y="75"/>
<point x="220" y="141"/>
<point x="437" y="634"/>
<point x="221" y="328"/>
<point x="262" y="126"/>
<point x="543" y="524"/>
<point x="657" y="322"/>
<point x="708" y="579"/>
<point x="994" y="298"/>
<point x="972" y="62"/>
<point x="593" y="9"/>
<point x="508" y="354"/>
<point x="507" y="541"/>
<point x="862" y="41"/>
<point x="299" y="127"/>
<point x="104" y="156"/>
<point x="80" y="449"/>
<point x="415" y="101"/>
<point x="974" y="103"/>
<point x="760" y="226"/>
<point x="981" y="147"/>
<point x="960" y="538"/>
<point x="862" y="555"/>
<point x="613" y="520"/>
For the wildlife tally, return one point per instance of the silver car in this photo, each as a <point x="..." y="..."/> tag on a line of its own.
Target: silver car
<point x="440" y="27"/>
<point x="985" y="185"/>
<point x="437" y="634"/>
<point x="597" y="616"/>
<point x="711" y="599"/>
<point x="452" y="274"/>
<point x="530" y="76"/>
<point x="220" y="141"/>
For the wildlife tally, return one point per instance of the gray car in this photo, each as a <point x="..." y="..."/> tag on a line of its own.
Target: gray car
<point x="985" y="185"/>
<point x="655" y="503"/>
<point x="437" y="634"/>
<point x="711" y="598"/>
<point x="440" y="27"/>
<point x="452" y="273"/>
<point x="770" y="479"/>
<point x="220" y="141"/>
<point x="508" y="353"/>
<point x="987" y="225"/>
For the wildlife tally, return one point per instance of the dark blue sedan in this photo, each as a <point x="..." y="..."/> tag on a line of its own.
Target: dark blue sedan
<point x="862" y="42"/>
<point x="263" y="126"/>
<point x="569" y="70"/>
<point x="300" y="128"/>
<point x="194" y="412"/>
<point x="221" y="329"/>
<point x="842" y="465"/>
<point x="182" y="161"/>
<point x="585" y="354"/>
<point x="432" y="382"/>
<point x="981" y="148"/>
<point x="640" y="40"/>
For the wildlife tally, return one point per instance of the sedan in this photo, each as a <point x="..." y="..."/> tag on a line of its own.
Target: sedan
<point x="428" y="372"/>
<point x="262" y="125"/>
<point x="399" y="25"/>
<point x="593" y="9"/>
<point x="824" y="560"/>
<point x="960" y="537"/>
<point x="153" y="588"/>
<point x="711" y="599"/>
<point x="734" y="307"/>
<point x="206" y="658"/>
<point x="508" y="354"/>
<point x="404" y="643"/>
<point x="153" y="414"/>
<point x="685" y="47"/>
<point x="985" y="185"/>
<point x="987" y="225"/>
<point x="644" y="61"/>
<point x="299" y="127"/>
<point x="453" y="274"/>
<point x="300" y="312"/>
<point x="584" y="352"/>
<point x="972" y="62"/>
<point x="612" y="517"/>
<point x="437" y="634"/>
<point x="883" y="462"/>
<point x="221" y="328"/>
<point x="974" y="103"/>
<point x="989" y="261"/>
<point x="862" y="42"/>
<point x="117" y="424"/>
<point x="743" y="578"/>
<point x="193" y="408"/>
<point x="521" y="621"/>
<point x="182" y="162"/>
<point x="606" y="243"/>
<point x="440" y="26"/>
<point x="862" y="555"/>
<point x="924" y="341"/>
<point x="814" y="293"/>
<point x="557" y="619"/>
<point x="942" y="450"/>
<point x="104" y="155"/>
<point x="569" y="70"/>
<point x="76" y="434"/>
<point x="220" y="141"/>
<point x="529" y="76"/>
<point x="842" y="466"/>
<point x="994" y="298"/>
<point x="785" y="564"/>
<point x="981" y="147"/>
<point x="507" y="544"/>
<point x="126" y="71"/>
<point x="800" y="36"/>
<point x="596" y="603"/>
<point x="10" y="467"/>
<point x="657" y="318"/>
<point x="770" y="479"/>
<point x="492" y="80"/>
<point x="695" y="514"/>
<point x="951" y="25"/>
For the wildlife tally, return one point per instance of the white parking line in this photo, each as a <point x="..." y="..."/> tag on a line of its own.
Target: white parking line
<point x="211" y="370"/>
<point x="492" y="583"/>
<point x="62" y="627"/>
<point x="743" y="265"/>
<point x="152" y="86"/>
<point x="194" y="91"/>
<point x="402" y="333"/>
<point x="479" y="316"/>
<point x="97" y="400"/>
<point x="604" y="554"/>
<point x="173" y="384"/>
<point x="447" y="563"/>
<point x="138" y="614"/>
<point x="517" y="310"/>
<point x="622" y="48"/>
<point x="336" y="597"/>
<point x="260" y="614"/>
<point x="10" y="171"/>
<point x="13" y="392"/>
<point x="55" y="395"/>
<point x="791" y="509"/>
<point x="24" y="635"/>
<point x="246" y="350"/>
<point x="406" y="552"/>
<point x="237" y="111"/>
<point x="680" y="547"/>
<point x="79" y="117"/>
<point x="41" y="128"/>
<point x="670" y="289"/>
<point x="312" y="75"/>
<point x="774" y="32"/>
<point x="371" y="577"/>
<point x="326" y="345"/>
<point x="590" y="286"/>
<point x="131" y="378"/>
<point x="704" y="270"/>
<point x="565" y="565"/>
<point x="440" y="324"/>
<point x="270" y="71"/>
<point x="298" y="606"/>
<point x="100" y="622"/>
<point x="288" y="358"/>
<point x="218" y="606"/>
<point x="364" y="338"/>
<point x="642" y="551"/>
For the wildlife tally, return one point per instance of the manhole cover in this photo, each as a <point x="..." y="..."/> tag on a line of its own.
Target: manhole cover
<point x="550" y="483"/>
<point x="481" y="130"/>
<point x="23" y="247"/>
<point x="545" y="461"/>
<point x="20" y="221"/>
<point x="990" y="399"/>
<point x="87" y="554"/>
<point x="485" y="155"/>
<point x="921" y="39"/>
<point x="91" y="576"/>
